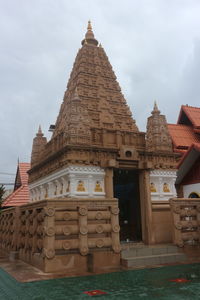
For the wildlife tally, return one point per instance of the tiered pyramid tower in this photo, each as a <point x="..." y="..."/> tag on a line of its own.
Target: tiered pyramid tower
<point x="101" y="104"/>
<point x="93" y="114"/>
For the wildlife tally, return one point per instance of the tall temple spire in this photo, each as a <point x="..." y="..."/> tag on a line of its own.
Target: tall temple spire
<point x="93" y="83"/>
<point x="89" y="36"/>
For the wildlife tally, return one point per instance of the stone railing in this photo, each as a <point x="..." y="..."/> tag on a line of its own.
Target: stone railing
<point x="45" y="233"/>
<point x="186" y="221"/>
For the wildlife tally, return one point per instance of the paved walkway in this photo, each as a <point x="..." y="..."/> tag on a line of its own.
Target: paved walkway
<point x="148" y="284"/>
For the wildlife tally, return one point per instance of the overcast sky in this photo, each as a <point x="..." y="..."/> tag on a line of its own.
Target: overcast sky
<point x="153" y="46"/>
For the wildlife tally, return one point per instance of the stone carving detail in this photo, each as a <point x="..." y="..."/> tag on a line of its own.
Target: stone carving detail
<point x="185" y="218"/>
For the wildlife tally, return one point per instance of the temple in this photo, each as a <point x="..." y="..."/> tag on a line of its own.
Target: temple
<point x="99" y="181"/>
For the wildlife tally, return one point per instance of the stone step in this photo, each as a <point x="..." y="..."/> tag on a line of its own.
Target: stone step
<point x="148" y="251"/>
<point x="151" y="260"/>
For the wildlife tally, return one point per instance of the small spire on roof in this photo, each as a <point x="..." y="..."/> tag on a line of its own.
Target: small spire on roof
<point x="89" y="25"/>
<point x="155" y="109"/>
<point x="39" y="133"/>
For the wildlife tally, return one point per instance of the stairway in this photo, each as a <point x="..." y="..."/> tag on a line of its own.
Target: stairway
<point x="140" y="256"/>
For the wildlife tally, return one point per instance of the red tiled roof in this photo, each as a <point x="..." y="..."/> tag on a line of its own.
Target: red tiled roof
<point x="23" y="168"/>
<point x="187" y="162"/>
<point x="20" y="194"/>
<point x="182" y="135"/>
<point x="193" y="114"/>
<point x="195" y="146"/>
<point x="18" y="197"/>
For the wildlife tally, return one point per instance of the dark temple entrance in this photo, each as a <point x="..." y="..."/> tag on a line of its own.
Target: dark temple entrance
<point x="126" y="189"/>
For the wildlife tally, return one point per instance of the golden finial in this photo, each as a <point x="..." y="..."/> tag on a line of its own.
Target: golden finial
<point x="89" y="25"/>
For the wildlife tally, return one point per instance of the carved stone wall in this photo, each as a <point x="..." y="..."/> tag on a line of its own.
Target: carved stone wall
<point x="186" y="221"/>
<point x="47" y="233"/>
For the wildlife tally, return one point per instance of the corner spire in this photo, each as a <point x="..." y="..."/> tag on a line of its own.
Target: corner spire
<point x="89" y="36"/>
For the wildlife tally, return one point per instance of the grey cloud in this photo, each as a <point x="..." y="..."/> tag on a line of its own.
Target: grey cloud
<point x="152" y="45"/>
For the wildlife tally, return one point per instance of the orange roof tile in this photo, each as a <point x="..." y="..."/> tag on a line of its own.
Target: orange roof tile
<point x="182" y="135"/>
<point x="187" y="161"/>
<point x="18" y="197"/>
<point x="23" y="168"/>
<point x="195" y="146"/>
<point x="20" y="194"/>
<point x="193" y="114"/>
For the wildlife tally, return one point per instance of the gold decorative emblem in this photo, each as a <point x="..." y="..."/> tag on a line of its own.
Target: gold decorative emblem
<point x="80" y="186"/>
<point x="153" y="187"/>
<point x="166" y="188"/>
<point x="98" y="187"/>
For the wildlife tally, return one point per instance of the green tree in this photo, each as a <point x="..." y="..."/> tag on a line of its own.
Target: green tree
<point x="2" y="191"/>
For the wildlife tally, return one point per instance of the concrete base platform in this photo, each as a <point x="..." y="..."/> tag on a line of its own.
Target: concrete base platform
<point x="24" y="272"/>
